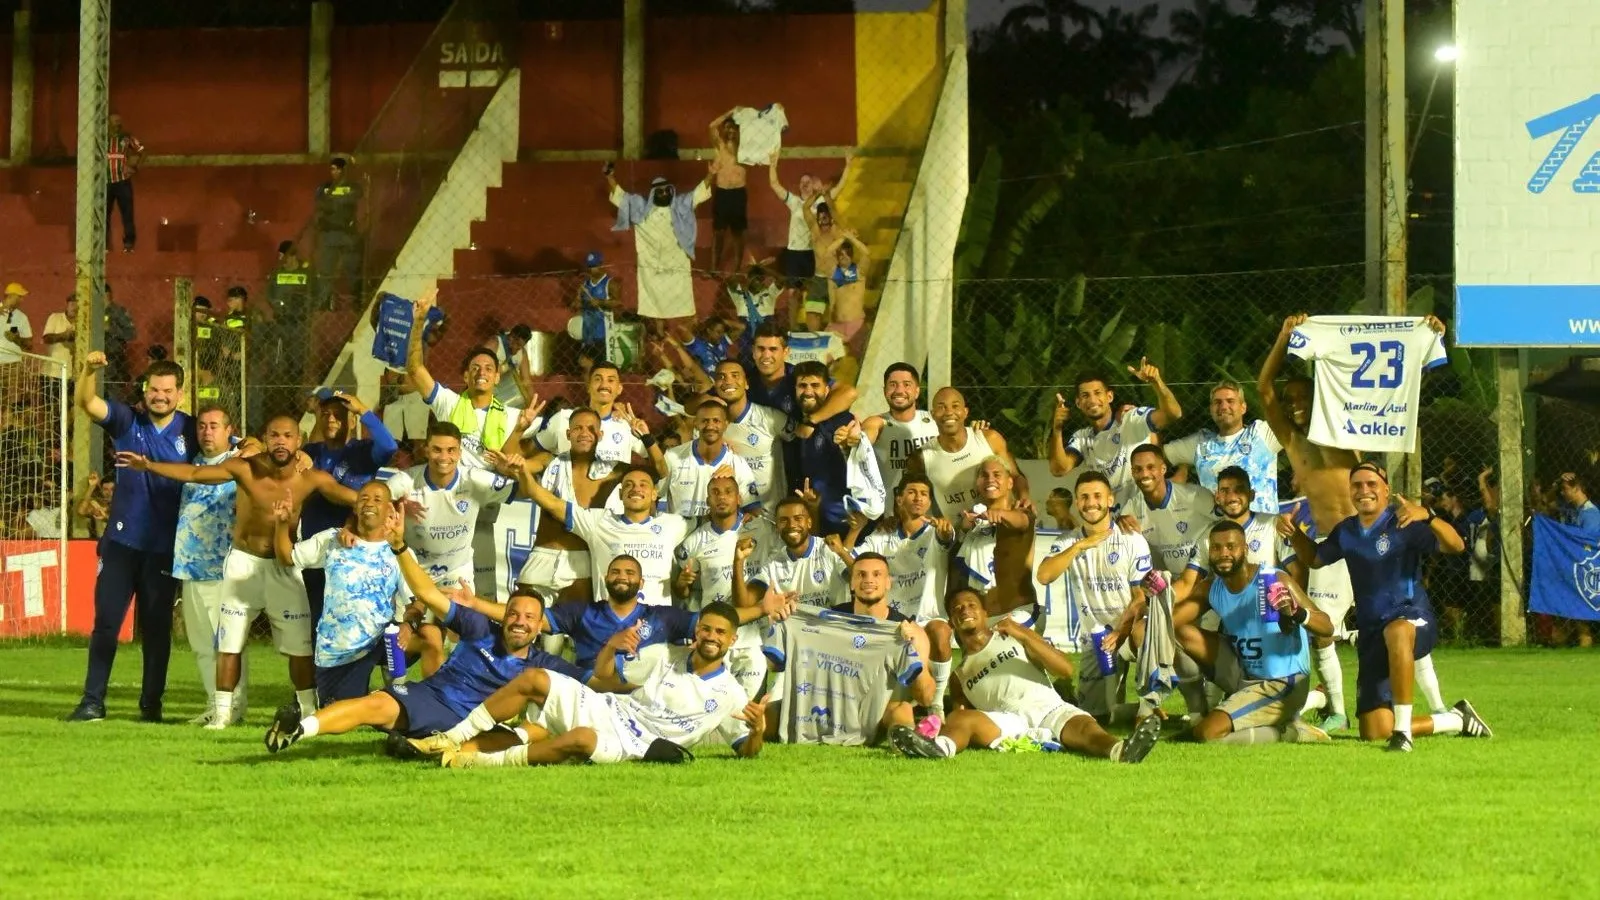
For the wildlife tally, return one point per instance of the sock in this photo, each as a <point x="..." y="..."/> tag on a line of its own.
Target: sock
<point x="1447" y="723"/>
<point x="1261" y="734"/>
<point x="309" y="726"/>
<point x="307" y="700"/>
<point x="516" y="756"/>
<point x="477" y="722"/>
<point x="1428" y="684"/>
<point x="522" y="733"/>
<point x="222" y="702"/>
<point x="941" y="681"/>
<point x="1314" y="701"/>
<point x="1402" y="717"/>
<point x="1332" y="679"/>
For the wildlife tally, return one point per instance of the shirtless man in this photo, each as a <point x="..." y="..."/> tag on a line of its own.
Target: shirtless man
<point x="798" y="262"/>
<point x="951" y="460"/>
<point x="825" y="230"/>
<point x="847" y="288"/>
<point x="559" y="564"/>
<point x="728" y="200"/>
<point x="253" y="579"/>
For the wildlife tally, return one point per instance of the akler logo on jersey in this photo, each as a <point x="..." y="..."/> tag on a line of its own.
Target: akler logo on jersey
<point x="1002" y="656"/>
<point x="1586" y="578"/>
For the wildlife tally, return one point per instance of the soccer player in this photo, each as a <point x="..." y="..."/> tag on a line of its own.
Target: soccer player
<point x="898" y="434"/>
<point x="811" y="569"/>
<point x="1251" y="446"/>
<point x="996" y="553"/>
<point x="869" y="597"/>
<point x="685" y="701"/>
<point x="1104" y="568"/>
<point x="136" y="551"/>
<point x="1273" y="676"/>
<point x="591" y="624"/>
<point x="623" y="436"/>
<point x="253" y="578"/>
<point x="351" y="462"/>
<point x="363" y="590"/>
<point x="689" y="466"/>
<point x="638" y="531"/>
<point x="488" y="657"/>
<point x="705" y="571"/>
<point x="443" y="498"/>
<point x="950" y="461"/>
<point x="822" y="452"/>
<point x="1004" y="692"/>
<point x="1384" y="547"/>
<point x="772" y="383"/>
<point x="1103" y="446"/>
<point x="754" y="431"/>
<point x="205" y="531"/>
<point x="483" y="421"/>
<point x="559" y="564"/>
<point x="1171" y="515"/>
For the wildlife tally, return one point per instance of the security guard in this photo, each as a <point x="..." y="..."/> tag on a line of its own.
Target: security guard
<point x="289" y="294"/>
<point x="338" y="257"/>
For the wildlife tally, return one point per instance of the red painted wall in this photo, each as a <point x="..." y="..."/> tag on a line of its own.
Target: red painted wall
<point x="571" y="85"/>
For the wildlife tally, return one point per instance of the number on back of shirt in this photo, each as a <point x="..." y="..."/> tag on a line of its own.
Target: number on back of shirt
<point x="1394" y="357"/>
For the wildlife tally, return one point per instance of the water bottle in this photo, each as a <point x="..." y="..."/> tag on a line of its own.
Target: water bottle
<point x="1266" y="586"/>
<point x="1097" y="639"/>
<point x="394" y="656"/>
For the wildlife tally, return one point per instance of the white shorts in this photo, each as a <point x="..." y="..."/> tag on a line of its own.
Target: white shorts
<point x="1049" y="719"/>
<point x="202" y="614"/>
<point x="252" y="584"/>
<point x="1329" y="588"/>
<point x="572" y="705"/>
<point x="407" y="417"/>
<point x="554" y="569"/>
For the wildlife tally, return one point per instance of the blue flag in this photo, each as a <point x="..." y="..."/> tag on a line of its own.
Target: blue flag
<point x="1566" y="571"/>
<point x="395" y="315"/>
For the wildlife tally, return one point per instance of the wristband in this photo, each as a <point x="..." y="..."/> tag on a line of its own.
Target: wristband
<point x="1300" y="615"/>
<point x="400" y="550"/>
<point x="648" y="440"/>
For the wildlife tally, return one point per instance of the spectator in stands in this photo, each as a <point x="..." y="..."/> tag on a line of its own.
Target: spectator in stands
<point x="847" y="288"/>
<point x="663" y="353"/>
<point x="799" y="262"/>
<point x="61" y="333"/>
<point x="1575" y="507"/>
<point x="664" y="232"/>
<point x="509" y="349"/>
<point x="44" y="513"/>
<point x="710" y="345"/>
<point x="754" y="295"/>
<point x="123" y="155"/>
<point x="825" y="229"/>
<point x="594" y="303"/>
<point x="729" y="202"/>
<point x="119" y="332"/>
<point x="287" y="344"/>
<point x="16" y="334"/>
<point x="336" y="220"/>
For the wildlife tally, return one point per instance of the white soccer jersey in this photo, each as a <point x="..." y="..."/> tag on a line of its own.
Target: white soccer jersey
<point x="1108" y="451"/>
<point x="817" y="575"/>
<point x="617" y="444"/>
<point x="686" y="708"/>
<point x="443" y="539"/>
<point x="1265" y="548"/>
<point x="711" y="553"/>
<point x="977" y="554"/>
<point x="918" y="569"/>
<point x="1000" y="678"/>
<point x="652" y="542"/>
<point x="442" y="404"/>
<point x="754" y="436"/>
<point x="898" y="441"/>
<point x="1173" y="527"/>
<point x="954" y="475"/>
<point x="1368" y="378"/>
<point x="557" y="479"/>
<point x="1253" y="448"/>
<point x="689" y="478"/>
<point x="1099" y="582"/>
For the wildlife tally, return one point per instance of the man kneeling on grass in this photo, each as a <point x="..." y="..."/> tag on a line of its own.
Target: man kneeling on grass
<point x="686" y="699"/>
<point x="487" y="657"/>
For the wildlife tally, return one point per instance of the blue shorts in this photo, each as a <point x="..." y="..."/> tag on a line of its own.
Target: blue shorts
<point x="423" y="710"/>
<point x="1372" y="659"/>
<point x="348" y="681"/>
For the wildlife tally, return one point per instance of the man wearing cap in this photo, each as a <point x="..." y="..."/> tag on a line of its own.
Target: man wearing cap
<point x="61" y="333"/>
<point x="352" y="463"/>
<point x="16" y="334"/>
<point x="338" y="204"/>
<point x="594" y="305"/>
<point x="664" y="232"/>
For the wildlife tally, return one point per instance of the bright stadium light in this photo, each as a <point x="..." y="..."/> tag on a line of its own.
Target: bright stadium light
<point x="1446" y="54"/>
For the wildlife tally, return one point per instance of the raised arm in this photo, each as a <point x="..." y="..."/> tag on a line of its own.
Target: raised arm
<point x="772" y="179"/>
<point x="844" y="173"/>
<point x="420" y="376"/>
<point x="1167" y="410"/>
<point x="745" y="595"/>
<point x="221" y="473"/>
<point x="84" y="394"/>
<point x="330" y="489"/>
<point x="1063" y="459"/>
<point x="1267" y="383"/>
<point x="283" y="521"/>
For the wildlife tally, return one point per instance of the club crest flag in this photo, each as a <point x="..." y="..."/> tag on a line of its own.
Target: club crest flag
<point x="1566" y="571"/>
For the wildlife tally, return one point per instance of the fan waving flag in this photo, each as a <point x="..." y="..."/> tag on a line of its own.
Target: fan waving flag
<point x="1566" y="570"/>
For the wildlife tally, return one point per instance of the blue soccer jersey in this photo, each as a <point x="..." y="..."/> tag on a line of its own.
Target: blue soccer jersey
<point x="591" y="624"/>
<point x="144" y="509"/>
<point x="480" y="664"/>
<point x="1265" y="652"/>
<point x="352" y="465"/>
<point x="1385" y="563"/>
<point x="205" y="527"/>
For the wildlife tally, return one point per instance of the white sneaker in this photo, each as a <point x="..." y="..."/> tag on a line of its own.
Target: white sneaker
<point x="204" y="718"/>
<point x="215" y="724"/>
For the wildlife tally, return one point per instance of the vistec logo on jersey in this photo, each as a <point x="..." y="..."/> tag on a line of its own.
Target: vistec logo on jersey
<point x="1572" y="121"/>
<point x="1586" y="579"/>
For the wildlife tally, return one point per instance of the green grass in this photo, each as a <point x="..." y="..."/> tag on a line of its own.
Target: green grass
<point x="123" y="809"/>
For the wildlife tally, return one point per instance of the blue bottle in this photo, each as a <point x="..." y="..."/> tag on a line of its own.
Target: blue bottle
<point x="1266" y="585"/>
<point x="394" y="656"/>
<point x="1097" y="638"/>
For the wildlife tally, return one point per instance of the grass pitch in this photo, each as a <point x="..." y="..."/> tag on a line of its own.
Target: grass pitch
<point x="122" y="809"/>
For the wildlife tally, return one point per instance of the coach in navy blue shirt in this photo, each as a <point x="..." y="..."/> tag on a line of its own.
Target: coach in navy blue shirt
<point x="821" y="459"/>
<point x="136" y="550"/>
<point x="351" y="463"/>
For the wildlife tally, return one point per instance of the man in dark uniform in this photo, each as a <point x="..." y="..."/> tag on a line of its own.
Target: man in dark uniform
<point x="288" y="347"/>
<point x="338" y="256"/>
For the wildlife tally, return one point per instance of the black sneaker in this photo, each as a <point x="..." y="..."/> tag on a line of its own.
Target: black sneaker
<point x="1142" y="741"/>
<point x="910" y="743"/>
<point x="88" y="711"/>
<point x="1399" y="742"/>
<point x="1472" y="724"/>
<point x="151" y="714"/>
<point x="397" y="746"/>
<point x="662" y="750"/>
<point x="285" y="728"/>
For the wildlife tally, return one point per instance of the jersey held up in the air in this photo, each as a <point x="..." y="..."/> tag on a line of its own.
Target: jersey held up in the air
<point x="1368" y="378"/>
